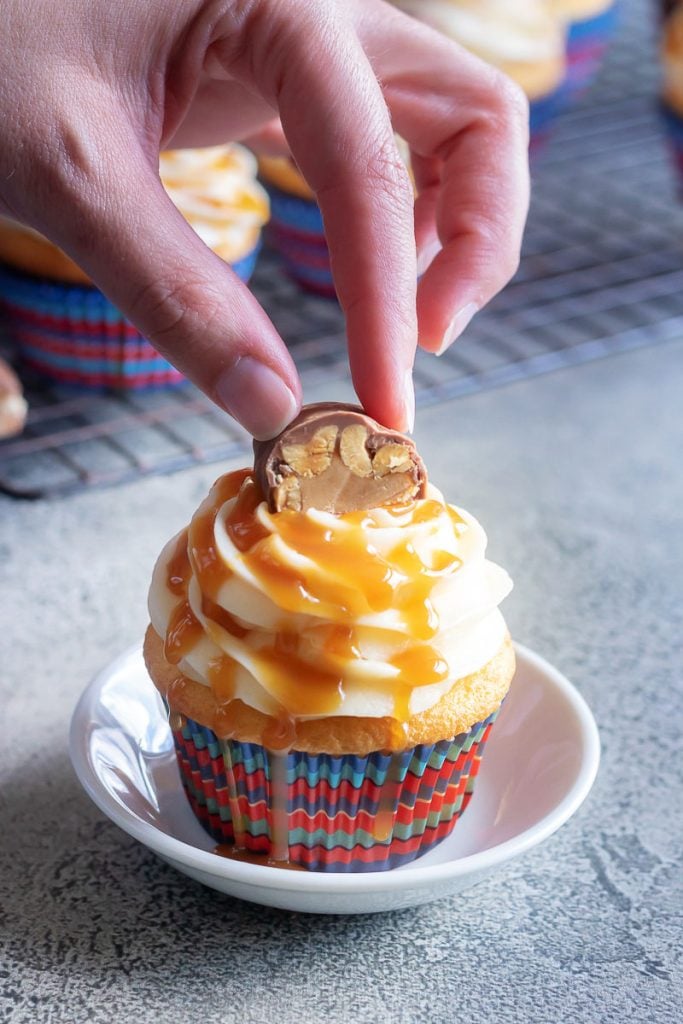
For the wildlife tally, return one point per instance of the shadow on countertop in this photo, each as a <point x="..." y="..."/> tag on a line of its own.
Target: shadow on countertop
<point x="97" y="928"/>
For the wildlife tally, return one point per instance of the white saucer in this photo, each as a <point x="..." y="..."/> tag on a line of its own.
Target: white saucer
<point x="539" y="766"/>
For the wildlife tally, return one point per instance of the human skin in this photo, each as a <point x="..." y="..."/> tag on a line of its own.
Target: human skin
<point x="91" y="90"/>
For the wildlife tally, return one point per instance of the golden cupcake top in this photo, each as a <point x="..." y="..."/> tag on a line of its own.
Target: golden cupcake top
<point x="283" y="173"/>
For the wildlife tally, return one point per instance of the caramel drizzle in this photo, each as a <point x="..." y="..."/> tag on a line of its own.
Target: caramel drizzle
<point x="345" y="578"/>
<point x="234" y="853"/>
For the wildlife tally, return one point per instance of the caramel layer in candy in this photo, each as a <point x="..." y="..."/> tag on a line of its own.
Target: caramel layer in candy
<point x="335" y="458"/>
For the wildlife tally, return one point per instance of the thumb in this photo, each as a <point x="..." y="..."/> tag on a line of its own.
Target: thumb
<point x="122" y="228"/>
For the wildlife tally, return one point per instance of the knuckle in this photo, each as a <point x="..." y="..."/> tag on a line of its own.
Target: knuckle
<point x="376" y="176"/>
<point x="171" y="314"/>
<point x="505" y="101"/>
<point x="258" y="37"/>
<point x="498" y="254"/>
<point x="387" y="172"/>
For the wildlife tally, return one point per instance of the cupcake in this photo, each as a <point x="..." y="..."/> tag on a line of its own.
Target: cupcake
<point x="522" y="38"/>
<point x="327" y="641"/>
<point x="672" y="87"/>
<point x="66" y="329"/>
<point x="296" y="229"/>
<point x="590" y="26"/>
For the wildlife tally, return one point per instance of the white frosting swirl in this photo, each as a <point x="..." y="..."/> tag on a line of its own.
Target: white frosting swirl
<point x="447" y="545"/>
<point x="216" y="191"/>
<point x="500" y="31"/>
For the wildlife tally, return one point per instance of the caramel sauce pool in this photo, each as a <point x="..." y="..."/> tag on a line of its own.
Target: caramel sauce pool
<point x="235" y="853"/>
<point x="342" y="577"/>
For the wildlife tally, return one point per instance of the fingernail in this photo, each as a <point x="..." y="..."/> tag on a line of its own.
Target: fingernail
<point x="427" y="255"/>
<point x="257" y="397"/>
<point x="409" y="401"/>
<point x="457" y="326"/>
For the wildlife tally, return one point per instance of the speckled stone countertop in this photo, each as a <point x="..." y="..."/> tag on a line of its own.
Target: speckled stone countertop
<point x="578" y="478"/>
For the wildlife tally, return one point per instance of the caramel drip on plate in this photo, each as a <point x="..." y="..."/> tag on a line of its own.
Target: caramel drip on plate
<point x="232" y="853"/>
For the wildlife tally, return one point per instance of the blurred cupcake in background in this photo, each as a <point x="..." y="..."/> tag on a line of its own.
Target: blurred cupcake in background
<point x="327" y="641"/>
<point x="296" y="229"/>
<point x="672" y="84"/>
<point x="523" y="38"/>
<point x="590" y="26"/>
<point x="66" y="329"/>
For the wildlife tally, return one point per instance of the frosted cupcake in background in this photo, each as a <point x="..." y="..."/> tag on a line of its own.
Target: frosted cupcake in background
<point x="66" y="329"/>
<point x="672" y="85"/>
<point x="590" y="26"/>
<point x="296" y="229"/>
<point x="523" y="38"/>
<point x="327" y="640"/>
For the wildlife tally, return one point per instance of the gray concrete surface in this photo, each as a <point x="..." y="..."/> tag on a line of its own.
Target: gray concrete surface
<point x="578" y="478"/>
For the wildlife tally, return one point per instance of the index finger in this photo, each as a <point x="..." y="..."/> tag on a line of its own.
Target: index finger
<point x="311" y="60"/>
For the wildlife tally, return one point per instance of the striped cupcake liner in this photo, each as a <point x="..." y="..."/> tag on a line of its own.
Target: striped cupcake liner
<point x="75" y="336"/>
<point x="587" y="42"/>
<point x="673" y="124"/>
<point x="296" y="233"/>
<point x="543" y="112"/>
<point x="335" y="814"/>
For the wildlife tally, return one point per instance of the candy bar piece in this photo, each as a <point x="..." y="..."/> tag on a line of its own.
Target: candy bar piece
<point x="13" y="407"/>
<point x="335" y="458"/>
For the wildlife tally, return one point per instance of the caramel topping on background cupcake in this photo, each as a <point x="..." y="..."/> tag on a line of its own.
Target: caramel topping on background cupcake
<point x="214" y="188"/>
<point x="523" y="38"/>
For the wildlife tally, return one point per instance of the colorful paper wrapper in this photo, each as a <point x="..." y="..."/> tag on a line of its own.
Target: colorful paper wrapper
<point x="673" y="123"/>
<point x="542" y="114"/>
<point x="587" y="42"/>
<point x="75" y="336"/>
<point x="336" y="814"/>
<point x="296" y="233"/>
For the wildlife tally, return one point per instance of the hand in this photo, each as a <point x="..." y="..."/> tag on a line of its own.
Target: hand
<point x="90" y="91"/>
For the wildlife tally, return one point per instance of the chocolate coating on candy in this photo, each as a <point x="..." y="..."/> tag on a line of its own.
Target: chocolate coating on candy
<point x="335" y="458"/>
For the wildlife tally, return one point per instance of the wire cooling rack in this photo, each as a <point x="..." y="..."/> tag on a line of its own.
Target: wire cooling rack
<point x="602" y="272"/>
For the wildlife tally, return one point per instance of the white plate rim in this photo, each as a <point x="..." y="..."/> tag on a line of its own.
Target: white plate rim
<point x="170" y="848"/>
